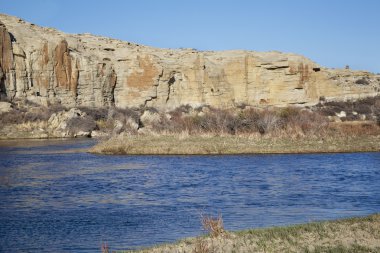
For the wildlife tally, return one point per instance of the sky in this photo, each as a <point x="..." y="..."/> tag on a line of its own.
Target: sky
<point x="333" y="33"/>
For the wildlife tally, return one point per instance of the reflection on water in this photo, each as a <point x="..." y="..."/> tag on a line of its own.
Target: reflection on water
<point x="56" y="200"/>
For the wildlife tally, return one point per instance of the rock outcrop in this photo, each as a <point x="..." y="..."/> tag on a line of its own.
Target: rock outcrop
<point x="73" y="123"/>
<point x="47" y="66"/>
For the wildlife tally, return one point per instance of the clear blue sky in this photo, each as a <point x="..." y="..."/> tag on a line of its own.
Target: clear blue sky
<point x="331" y="32"/>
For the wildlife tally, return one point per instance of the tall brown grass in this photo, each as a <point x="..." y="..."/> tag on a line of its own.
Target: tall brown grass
<point x="213" y="225"/>
<point x="201" y="246"/>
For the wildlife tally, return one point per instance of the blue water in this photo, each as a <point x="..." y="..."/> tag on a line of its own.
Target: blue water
<point x="54" y="198"/>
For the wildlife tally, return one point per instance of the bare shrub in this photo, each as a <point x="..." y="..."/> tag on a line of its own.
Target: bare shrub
<point x="54" y="108"/>
<point x="289" y="112"/>
<point x="213" y="225"/>
<point x="362" y="108"/>
<point x="117" y="120"/>
<point x="328" y="111"/>
<point x="165" y="124"/>
<point x="338" y="106"/>
<point x="268" y="122"/>
<point x="123" y="113"/>
<point x="12" y="117"/>
<point x="311" y="123"/>
<point x="142" y="108"/>
<point x="78" y="124"/>
<point x="32" y="113"/>
<point x="95" y="113"/>
<point x="217" y="121"/>
<point x="182" y="109"/>
<point x="38" y="114"/>
<point x="248" y="120"/>
<point x="223" y="121"/>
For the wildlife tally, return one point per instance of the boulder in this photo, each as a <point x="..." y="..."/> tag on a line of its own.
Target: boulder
<point x="149" y="118"/>
<point x="73" y="123"/>
<point x="132" y="124"/>
<point x="342" y="114"/>
<point x="5" y="107"/>
<point x="118" y="127"/>
<point x="98" y="134"/>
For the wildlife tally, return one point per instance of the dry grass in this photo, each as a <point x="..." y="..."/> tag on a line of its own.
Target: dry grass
<point x="183" y="144"/>
<point x="213" y="225"/>
<point x="201" y="246"/>
<point x="342" y="236"/>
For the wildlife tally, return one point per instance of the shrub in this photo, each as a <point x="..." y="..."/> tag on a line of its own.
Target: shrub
<point x="338" y="106"/>
<point x="54" y="108"/>
<point x="183" y="109"/>
<point x="217" y="121"/>
<point x="95" y="113"/>
<point x="268" y="122"/>
<point x="116" y="120"/>
<point x="33" y="113"/>
<point x="248" y="119"/>
<point x="12" y="117"/>
<point x="213" y="225"/>
<point x="307" y="121"/>
<point x="328" y="111"/>
<point x="123" y="113"/>
<point x="38" y="114"/>
<point x="84" y="124"/>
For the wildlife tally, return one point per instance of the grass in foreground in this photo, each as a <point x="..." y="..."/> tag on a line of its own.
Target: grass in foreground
<point x="229" y="144"/>
<point x="341" y="236"/>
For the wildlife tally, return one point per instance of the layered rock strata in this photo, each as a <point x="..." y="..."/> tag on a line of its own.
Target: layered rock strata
<point x="48" y="66"/>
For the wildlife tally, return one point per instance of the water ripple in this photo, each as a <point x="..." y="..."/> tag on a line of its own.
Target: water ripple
<point x="54" y="200"/>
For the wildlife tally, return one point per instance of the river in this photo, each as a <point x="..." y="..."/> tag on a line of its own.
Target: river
<point x="55" y="197"/>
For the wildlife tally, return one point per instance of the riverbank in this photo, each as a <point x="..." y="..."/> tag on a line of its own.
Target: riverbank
<point x="23" y="119"/>
<point x="249" y="144"/>
<point x="347" y="235"/>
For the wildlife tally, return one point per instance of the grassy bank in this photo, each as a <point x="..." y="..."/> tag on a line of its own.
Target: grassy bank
<point x="244" y="144"/>
<point x="347" y="235"/>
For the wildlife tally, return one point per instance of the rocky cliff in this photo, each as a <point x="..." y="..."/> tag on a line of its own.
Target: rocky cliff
<point x="47" y="66"/>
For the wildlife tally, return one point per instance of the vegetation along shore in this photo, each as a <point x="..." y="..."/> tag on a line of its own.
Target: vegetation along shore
<point x="351" y="126"/>
<point x="347" y="235"/>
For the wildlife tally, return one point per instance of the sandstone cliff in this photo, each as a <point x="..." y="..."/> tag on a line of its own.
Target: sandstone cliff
<point x="47" y="66"/>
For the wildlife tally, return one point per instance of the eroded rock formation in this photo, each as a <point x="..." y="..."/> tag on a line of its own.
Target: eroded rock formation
<point x="47" y="66"/>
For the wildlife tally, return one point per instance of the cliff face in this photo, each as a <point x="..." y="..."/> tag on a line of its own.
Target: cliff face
<point x="45" y="65"/>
